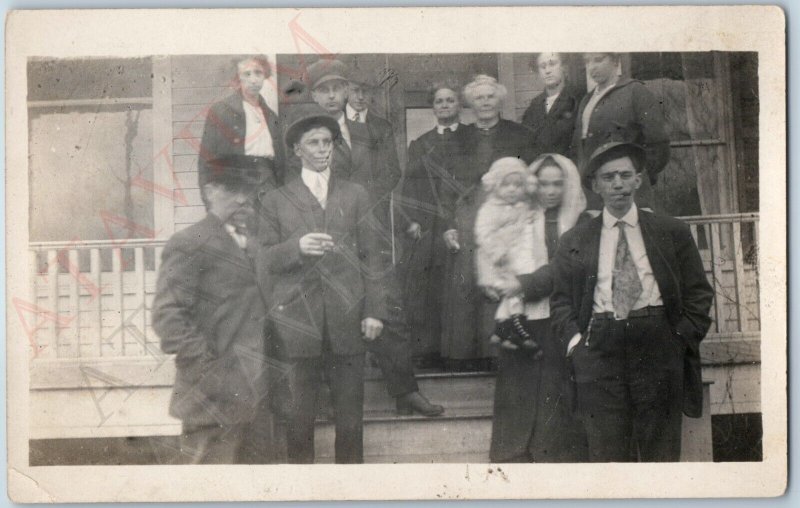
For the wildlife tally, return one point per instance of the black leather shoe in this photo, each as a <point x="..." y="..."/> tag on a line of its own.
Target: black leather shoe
<point x="416" y="402"/>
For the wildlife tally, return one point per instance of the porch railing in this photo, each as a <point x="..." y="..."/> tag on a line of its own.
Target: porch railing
<point x="92" y="300"/>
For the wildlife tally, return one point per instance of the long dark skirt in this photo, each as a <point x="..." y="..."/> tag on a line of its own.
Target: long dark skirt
<point x="422" y="278"/>
<point x="468" y="318"/>
<point x="532" y="421"/>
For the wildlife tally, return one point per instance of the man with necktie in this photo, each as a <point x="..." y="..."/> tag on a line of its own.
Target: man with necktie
<point x="321" y="257"/>
<point x="210" y="313"/>
<point x="631" y="304"/>
<point x="365" y="154"/>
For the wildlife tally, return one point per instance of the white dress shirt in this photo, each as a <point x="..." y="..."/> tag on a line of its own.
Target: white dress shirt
<point x="609" y="235"/>
<point x="345" y="130"/>
<point x="355" y="116"/>
<point x="549" y="100"/>
<point x="317" y="183"/>
<point x="239" y="238"/>
<point x="257" y="139"/>
<point x="440" y="128"/>
<point x="590" y="105"/>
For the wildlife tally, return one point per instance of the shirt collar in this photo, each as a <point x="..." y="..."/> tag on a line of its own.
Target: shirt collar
<point x="631" y="219"/>
<point x="350" y="111"/>
<point x="440" y="128"/>
<point x="310" y="173"/>
<point x="607" y="88"/>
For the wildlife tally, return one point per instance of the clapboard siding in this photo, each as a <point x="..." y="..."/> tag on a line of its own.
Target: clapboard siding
<point x="526" y="83"/>
<point x="183" y="130"/>
<point x="200" y="96"/>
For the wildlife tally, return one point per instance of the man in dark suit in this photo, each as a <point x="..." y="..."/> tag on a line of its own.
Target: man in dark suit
<point x="631" y="303"/>
<point x="320" y="255"/>
<point x="365" y="154"/>
<point x="208" y="312"/>
<point x="243" y="124"/>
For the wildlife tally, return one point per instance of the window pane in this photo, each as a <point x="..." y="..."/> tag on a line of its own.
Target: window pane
<point x="50" y="80"/>
<point x="82" y="162"/>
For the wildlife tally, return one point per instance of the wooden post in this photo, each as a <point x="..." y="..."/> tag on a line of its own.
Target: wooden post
<point x="505" y="76"/>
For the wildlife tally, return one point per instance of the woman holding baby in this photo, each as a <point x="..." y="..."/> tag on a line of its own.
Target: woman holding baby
<point x="526" y="211"/>
<point x="533" y="420"/>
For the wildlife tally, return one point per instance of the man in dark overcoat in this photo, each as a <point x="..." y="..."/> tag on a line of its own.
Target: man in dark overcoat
<point x="209" y="312"/>
<point x="631" y="304"/>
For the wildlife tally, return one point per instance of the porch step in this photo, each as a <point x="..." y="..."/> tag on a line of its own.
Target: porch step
<point x="461" y="435"/>
<point x="453" y="391"/>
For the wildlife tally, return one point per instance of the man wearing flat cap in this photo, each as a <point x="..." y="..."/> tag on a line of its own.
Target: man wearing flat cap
<point x="320" y="255"/>
<point x="631" y="304"/>
<point x="209" y="312"/>
<point x="365" y="154"/>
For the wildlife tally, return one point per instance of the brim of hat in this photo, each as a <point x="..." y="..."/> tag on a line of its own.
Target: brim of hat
<point x="328" y="77"/>
<point x="296" y="130"/>
<point x="593" y="165"/>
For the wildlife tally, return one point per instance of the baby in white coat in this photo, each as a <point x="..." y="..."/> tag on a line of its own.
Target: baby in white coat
<point x="505" y="229"/>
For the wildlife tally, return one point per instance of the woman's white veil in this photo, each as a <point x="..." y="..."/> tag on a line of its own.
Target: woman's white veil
<point x="573" y="202"/>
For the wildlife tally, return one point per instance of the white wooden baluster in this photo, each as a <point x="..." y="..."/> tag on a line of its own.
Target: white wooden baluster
<point x="140" y="334"/>
<point x="717" y="260"/>
<point x="96" y="318"/>
<point x="53" y="328"/>
<point x="739" y="276"/>
<point x="117" y="342"/>
<point x="40" y="347"/>
<point x="73" y="271"/>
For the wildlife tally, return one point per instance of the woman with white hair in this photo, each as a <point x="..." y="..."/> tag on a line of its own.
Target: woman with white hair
<point x="532" y="421"/>
<point x="468" y="313"/>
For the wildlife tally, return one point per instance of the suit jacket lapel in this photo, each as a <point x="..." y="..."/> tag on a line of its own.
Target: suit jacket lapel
<point x="332" y="205"/>
<point x="558" y="106"/>
<point x="342" y="157"/>
<point x="300" y="196"/>
<point x="593" y="253"/>
<point x="237" y="108"/>
<point x="661" y="271"/>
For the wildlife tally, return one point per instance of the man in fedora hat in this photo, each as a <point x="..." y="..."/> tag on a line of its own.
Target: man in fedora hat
<point x="208" y="311"/>
<point x="631" y="304"/>
<point x="365" y="154"/>
<point x="321" y="257"/>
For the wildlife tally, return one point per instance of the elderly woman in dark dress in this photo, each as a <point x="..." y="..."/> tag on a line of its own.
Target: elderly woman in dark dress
<point x="468" y="314"/>
<point x="532" y="421"/>
<point x="430" y="189"/>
